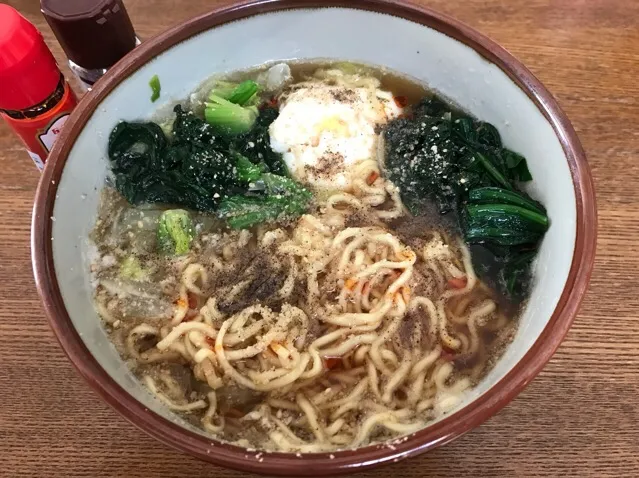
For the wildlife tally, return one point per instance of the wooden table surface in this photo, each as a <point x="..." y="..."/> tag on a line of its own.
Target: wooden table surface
<point x="579" y="417"/>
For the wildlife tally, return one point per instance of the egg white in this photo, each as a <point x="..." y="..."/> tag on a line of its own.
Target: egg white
<point x="323" y="130"/>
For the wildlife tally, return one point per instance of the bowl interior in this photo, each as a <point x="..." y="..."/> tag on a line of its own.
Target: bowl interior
<point x="443" y="63"/>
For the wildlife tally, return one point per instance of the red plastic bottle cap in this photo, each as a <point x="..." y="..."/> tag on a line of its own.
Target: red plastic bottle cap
<point x="28" y="71"/>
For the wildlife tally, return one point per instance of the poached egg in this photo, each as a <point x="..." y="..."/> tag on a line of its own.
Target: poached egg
<point x="323" y="130"/>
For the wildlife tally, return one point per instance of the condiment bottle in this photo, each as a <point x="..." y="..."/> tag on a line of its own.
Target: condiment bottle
<point x="94" y="34"/>
<point x="35" y="99"/>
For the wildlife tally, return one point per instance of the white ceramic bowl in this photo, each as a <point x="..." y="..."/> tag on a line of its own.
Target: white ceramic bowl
<point x="442" y="53"/>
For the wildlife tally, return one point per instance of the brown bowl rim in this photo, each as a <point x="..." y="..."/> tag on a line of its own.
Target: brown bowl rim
<point x="323" y="464"/>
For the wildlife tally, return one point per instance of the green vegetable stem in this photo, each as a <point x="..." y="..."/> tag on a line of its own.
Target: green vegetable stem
<point x="526" y="218"/>
<point x="175" y="232"/>
<point x="492" y="195"/>
<point x="242" y="94"/>
<point x="232" y="110"/>
<point x="247" y="171"/>
<point x="442" y="154"/>
<point x="156" y="88"/>
<point x="283" y="198"/>
<point x="245" y="93"/>
<point x="229" y="118"/>
<point x="131" y="268"/>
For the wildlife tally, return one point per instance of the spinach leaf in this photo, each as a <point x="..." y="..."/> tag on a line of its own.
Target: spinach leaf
<point x="493" y="195"/>
<point x="442" y="154"/>
<point x="515" y="274"/>
<point x="424" y="161"/>
<point x="256" y="144"/>
<point x="517" y="166"/>
<point x="282" y="198"/>
<point x="202" y="170"/>
<point x="193" y="170"/>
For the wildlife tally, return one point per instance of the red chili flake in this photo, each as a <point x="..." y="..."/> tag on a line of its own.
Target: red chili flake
<point x="190" y="315"/>
<point x="366" y="287"/>
<point x="457" y="282"/>
<point x="400" y="101"/>
<point x="332" y="362"/>
<point x="210" y="341"/>
<point x="448" y="354"/>
<point x="193" y="302"/>
<point x="234" y="413"/>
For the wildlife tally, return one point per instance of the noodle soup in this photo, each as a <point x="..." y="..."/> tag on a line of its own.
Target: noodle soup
<point x="312" y="257"/>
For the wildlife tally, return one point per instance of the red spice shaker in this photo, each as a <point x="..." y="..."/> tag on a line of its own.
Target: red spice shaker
<point x="35" y="99"/>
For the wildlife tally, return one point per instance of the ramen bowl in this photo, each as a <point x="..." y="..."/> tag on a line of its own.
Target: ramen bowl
<point x="444" y="54"/>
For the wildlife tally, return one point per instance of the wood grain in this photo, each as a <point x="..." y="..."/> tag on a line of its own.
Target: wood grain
<point x="580" y="417"/>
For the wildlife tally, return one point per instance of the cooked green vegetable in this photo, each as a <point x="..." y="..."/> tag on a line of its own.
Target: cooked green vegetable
<point x="242" y="212"/>
<point x="283" y="198"/>
<point x="503" y="196"/>
<point x="528" y="218"/>
<point x="516" y="271"/>
<point x="154" y="83"/>
<point x="247" y="171"/>
<point x="223" y="89"/>
<point x="256" y="144"/>
<point x="231" y="108"/>
<point x="517" y="164"/>
<point x="131" y="268"/>
<point x="444" y="155"/>
<point x="500" y="236"/>
<point x="175" y="232"/>
<point x="200" y="169"/>
<point x="245" y="93"/>
<point x="241" y="94"/>
<point x="229" y="118"/>
<point x="194" y="170"/>
<point x="491" y="169"/>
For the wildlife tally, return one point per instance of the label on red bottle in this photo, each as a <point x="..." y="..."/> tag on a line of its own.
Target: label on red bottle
<point x="52" y="132"/>
<point x="40" y="133"/>
<point x="36" y="159"/>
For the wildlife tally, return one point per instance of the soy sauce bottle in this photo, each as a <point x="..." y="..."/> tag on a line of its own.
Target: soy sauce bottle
<point x="94" y="34"/>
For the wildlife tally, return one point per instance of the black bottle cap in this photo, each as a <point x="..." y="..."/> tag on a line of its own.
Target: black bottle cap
<point x="94" y="34"/>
